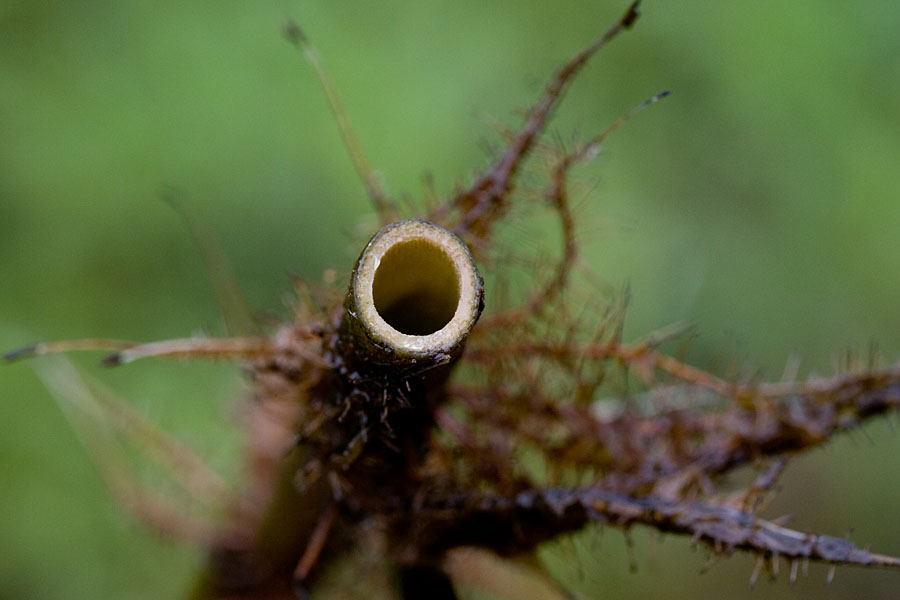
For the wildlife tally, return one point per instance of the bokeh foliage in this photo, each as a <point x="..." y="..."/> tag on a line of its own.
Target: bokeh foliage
<point x="759" y="201"/>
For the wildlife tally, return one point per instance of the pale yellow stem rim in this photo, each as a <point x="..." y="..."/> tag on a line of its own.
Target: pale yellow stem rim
<point x="416" y="289"/>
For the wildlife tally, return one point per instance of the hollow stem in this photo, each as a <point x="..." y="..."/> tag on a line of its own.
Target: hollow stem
<point x="414" y="295"/>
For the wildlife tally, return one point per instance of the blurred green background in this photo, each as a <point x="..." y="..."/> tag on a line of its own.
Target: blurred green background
<point x="761" y="201"/>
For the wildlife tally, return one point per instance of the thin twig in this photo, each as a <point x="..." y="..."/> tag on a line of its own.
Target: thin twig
<point x="384" y="208"/>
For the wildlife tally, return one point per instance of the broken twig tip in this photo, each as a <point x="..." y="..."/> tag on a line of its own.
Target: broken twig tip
<point x="293" y="33"/>
<point x="631" y="15"/>
<point x="113" y="360"/>
<point x="173" y="196"/>
<point x="20" y="353"/>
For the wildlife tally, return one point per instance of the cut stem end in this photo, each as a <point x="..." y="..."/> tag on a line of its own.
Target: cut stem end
<point x="415" y="294"/>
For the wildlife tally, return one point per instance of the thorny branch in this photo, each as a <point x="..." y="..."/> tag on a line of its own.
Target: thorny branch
<point x="506" y="523"/>
<point x="485" y="200"/>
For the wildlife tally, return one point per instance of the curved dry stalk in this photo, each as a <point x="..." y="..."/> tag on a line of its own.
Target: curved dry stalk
<point x="384" y="208"/>
<point x="195" y="349"/>
<point x="239" y="348"/>
<point x="95" y="414"/>
<point x="238" y="316"/>
<point x="66" y="346"/>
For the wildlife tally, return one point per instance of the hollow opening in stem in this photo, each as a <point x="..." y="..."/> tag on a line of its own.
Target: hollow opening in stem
<point x="416" y="287"/>
<point x="414" y="295"/>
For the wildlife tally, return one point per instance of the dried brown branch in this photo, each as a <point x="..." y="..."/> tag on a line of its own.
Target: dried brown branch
<point x="544" y="297"/>
<point x="737" y="425"/>
<point x="484" y="202"/>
